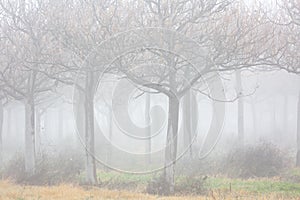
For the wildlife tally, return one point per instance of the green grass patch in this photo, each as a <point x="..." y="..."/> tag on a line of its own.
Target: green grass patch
<point x="123" y="177"/>
<point x="262" y="186"/>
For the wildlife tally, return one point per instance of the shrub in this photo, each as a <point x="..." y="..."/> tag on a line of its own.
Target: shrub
<point x="190" y="186"/>
<point x="158" y="186"/>
<point x="50" y="169"/>
<point x="263" y="160"/>
<point x="292" y="175"/>
<point x="184" y="185"/>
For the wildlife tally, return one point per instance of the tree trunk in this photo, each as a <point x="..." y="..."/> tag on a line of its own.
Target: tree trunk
<point x="9" y="133"/>
<point x="239" y="90"/>
<point x="110" y="132"/>
<point x="275" y="133"/>
<point x="38" y="139"/>
<point x="187" y="123"/>
<point x="148" y="129"/>
<point x="171" y="145"/>
<point x="1" y="131"/>
<point x="298" y="133"/>
<point x="29" y="137"/>
<point x="254" y="120"/>
<point x="91" y="176"/>
<point x="285" y="128"/>
<point x="61" y="125"/>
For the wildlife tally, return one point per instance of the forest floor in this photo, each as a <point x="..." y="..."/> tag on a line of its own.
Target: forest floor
<point x="216" y="188"/>
<point x="10" y="191"/>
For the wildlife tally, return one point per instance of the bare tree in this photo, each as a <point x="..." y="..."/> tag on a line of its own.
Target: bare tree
<point x="26" y="47"/>
<point x="91" y="23"/>
<point x="233" y="44"/>
<point x="289" y="22"/>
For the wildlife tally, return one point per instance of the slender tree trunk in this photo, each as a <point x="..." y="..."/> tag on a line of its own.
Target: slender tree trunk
<point x="1" y="131"/>
<point x="110" y="132"/>
<point x="30" y="137"/>
<point x="275" y="133"/>
<point x="80" y="119"/>
<point x="254" y="120"/>
<point x="91" y="176"/>
<point x="61" y="124"/>
<point x="9" y="133"/>
<point x="148" y="130"/>
<point x="285" y="115"/>
<point x="38" y="139"/>
<point x="187" y="118"/>
<point x="171" y="146"/>
<point x="239" y="90"/>
<point x="298" y="133"/>
<point x="187" y="123"/>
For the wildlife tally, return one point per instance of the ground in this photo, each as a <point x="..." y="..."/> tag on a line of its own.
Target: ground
<point x="217" y="188"/>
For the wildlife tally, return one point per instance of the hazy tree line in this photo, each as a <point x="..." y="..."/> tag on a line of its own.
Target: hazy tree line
<point x="44" y="45"/>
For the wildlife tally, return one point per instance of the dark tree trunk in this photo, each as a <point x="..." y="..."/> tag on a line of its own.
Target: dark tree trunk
<point x="171" y="146"/>
<point x="187" y="123"/>
<point x="30" y="155"/>
<point x="240" y="108"/>
<point x="91" y="176"/>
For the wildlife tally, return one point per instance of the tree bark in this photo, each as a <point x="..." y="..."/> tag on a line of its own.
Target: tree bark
<point x="298" y="133"/>
<point x="30" y="137"/>
<point x="91" y="176"/>
<point x="171" y="145"/>
<point x="148" y="129"/>
<point x="239" y="90"/>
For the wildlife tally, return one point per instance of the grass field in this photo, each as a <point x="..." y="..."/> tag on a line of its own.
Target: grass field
<point x="10" y="191"/>
<point x="216" y="188"/>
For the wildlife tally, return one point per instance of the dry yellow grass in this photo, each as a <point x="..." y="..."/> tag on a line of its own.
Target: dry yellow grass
<point x="10" y="191"/>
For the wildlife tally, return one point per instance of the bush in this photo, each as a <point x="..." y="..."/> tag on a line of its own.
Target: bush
<point x="292" y="175"/>
<point x="50" y="170"/>
<point x="184" y="185"/>
<point x="190" y="186"/>
<point x="158" y="186"/>
<point x="264" y="160"/>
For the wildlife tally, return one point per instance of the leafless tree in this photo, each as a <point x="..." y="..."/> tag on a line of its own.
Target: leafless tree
<point x="27" y="46"/>
<point x="235" y="40"/>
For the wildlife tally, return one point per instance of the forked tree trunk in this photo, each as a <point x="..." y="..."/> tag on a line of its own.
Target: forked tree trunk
<point x="148" y="129"/>
<point x="298" y="133"/>
<point x="239" y="91"/>
<point x="91" y="176"/>
<point x="30" y="137"/>
<point x="171" y="146"/>
<point x="1" y="131"/>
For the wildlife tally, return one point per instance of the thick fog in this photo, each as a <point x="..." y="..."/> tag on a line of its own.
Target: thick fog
<point x="147" y="87"/>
